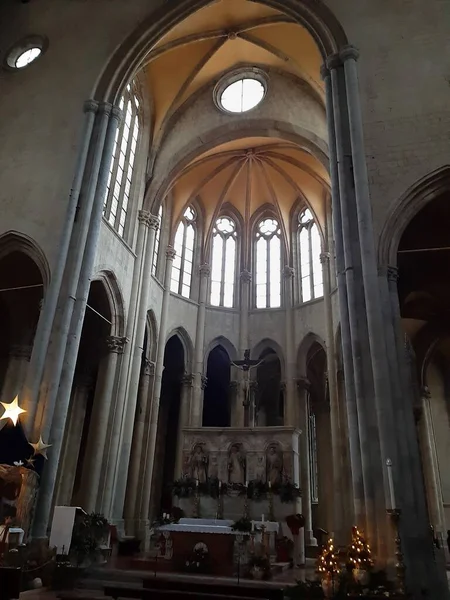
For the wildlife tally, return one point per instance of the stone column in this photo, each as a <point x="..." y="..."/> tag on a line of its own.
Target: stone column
<point x="59" y="378"/>
<point x="112" y="450"/>
<point x="126" y="438"/>
<point x="187" y="383"/>
<point x="324" y="466"/>
<point x="141" y="422"/>
<point x="431" y="464"/>
<point x="18" y="360"/>
<point x="245" y="280"/>
<point x="233" y="395"/>
<point x="196" y="416"/>
<point x="290" y="398"/>
<point x="305" y="459"/>
<point x="153" y="428"/>
<point x="98" y="425"/>
<point x="336" y="438"/>
<point x="74" y="431"/>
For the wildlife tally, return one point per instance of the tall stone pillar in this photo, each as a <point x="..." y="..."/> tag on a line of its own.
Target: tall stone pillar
<point x="290" y="399"/>
<point x="141" y="422"/>
<point x="245" y="283"/>
<point x="233" y="396"/>
<point x="112" y="450"/>
<point x="126" y="437"/>
<point x="18" y="360"/>
<point x="187" y="383"/>
<point x="153" y="427"/>
<point x="197" y="396"/>
<point x="98" y="425"/>
<point x="336" y="437"/>
<point x="324" y="467"/>
<point x="305" y="458"/>
<point x="68" y="468"/>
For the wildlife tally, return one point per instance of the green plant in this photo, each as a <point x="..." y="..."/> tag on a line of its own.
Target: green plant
<point x="257" y="490"/>
<point x="244" y="525"/>
<point x="184" y="487"/>
<point x="288" y="492"/>
<point x="261" y="563"/>
<point x="88" y="532"/>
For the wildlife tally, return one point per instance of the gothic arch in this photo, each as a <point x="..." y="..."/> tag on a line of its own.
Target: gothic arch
<point x="314" y="15"/>
<point x="302" y="354"/>
<point x="273" y="345"/>
<point x="220" y="341"/>
<point x="115" y="299"/>
<point x="14" y="241"/>
<point x="410" y="203"/>
<point x="188" y="347"/>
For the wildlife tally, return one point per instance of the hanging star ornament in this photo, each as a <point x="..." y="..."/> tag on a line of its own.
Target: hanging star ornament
<point x="40" y="448"/>
<point x="30" y="462"/>
<point x="12" y="410"/>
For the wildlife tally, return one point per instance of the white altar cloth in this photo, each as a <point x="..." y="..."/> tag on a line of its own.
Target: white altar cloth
<point x="223" y="526"/>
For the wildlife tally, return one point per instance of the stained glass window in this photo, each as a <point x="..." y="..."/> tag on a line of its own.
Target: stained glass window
<point x="223" y="263"/>
<point x="310" y="248"/>
<point x="157" y="237"/>
<point x="184" y="247"/>
<point x="268" y="264"/>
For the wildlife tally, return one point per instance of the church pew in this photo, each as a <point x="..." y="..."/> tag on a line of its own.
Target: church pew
<point x="159" y="589"/>
<point x="225" y="589"/>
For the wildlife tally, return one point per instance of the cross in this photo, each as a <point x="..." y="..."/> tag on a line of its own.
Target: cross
<point x="245" y="366"/>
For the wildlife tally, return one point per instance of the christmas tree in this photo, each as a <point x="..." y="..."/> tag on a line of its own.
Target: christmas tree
<point x="359" y="554"/>
<point x="328" y="560"/>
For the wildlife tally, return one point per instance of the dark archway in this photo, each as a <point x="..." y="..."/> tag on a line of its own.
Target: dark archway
<point x="169" y="412"/>
<point x="216" y="403"/>
<point x="269" y="393"/>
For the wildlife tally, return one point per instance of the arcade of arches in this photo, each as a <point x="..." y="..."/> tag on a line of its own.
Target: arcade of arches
<point x="222" y="204"/>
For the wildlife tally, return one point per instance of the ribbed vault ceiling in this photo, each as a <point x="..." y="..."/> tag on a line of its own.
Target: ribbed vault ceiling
<point x="217" y="38"/>
<point x="248" y="174"/>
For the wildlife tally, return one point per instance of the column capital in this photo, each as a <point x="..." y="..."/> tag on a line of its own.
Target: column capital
<point x="204" y="382"/>
<point x="144" y="216"/>
<point x="90" y="106"/>
<point x="105" y="108"/>
<point x="246" y="276"/>
<point x="325" y="257"/>
<point x="324" y="72"/>
<point x="153" y="222"/>
<point x="392" y="273"/>
<point x="149" y="368"/>
<point x="170" y="253"/>
<point x="303" y="383"/>
<point x="425" y="392"/>
<point x="349" y="53"/>
<point x="187" y="380"/>
<point x="116" y="113"/>
<point x="288" y="272"/>
<point x="204" y="270"/>
<point x="116" y="344"/>
<point x="333" y="61"/>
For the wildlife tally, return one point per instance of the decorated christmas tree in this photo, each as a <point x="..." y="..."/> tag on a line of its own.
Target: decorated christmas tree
<point x="328" y="560"/>
<point x="358" y="553"/>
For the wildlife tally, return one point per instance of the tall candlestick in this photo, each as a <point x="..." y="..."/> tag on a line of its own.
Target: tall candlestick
<point x="262" y="518"/>
<point x="391" y="484"/>
<point x="246" y="484"/>
<point x="196" y="483"/>
<point x="270" y="485"/>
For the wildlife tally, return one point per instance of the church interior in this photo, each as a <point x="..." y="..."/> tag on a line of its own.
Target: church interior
<point x="223" y="292"/>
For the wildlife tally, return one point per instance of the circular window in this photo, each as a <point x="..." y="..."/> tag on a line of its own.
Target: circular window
<point x="25" y="52"/>
<point x="241" y="91"/>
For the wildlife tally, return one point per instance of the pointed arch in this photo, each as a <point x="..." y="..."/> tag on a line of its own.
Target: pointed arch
<point x="305" y="346"/>
<point x="115" y="301"/>
<point x="226" y="345"/>
<point x="409" y="204"/>
<point x="187" y="344"/>
<point x="15" y="241"/>
<point x="268" y="343"/>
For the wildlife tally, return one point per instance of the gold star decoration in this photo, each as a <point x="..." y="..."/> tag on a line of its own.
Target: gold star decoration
<point x="12" y="410"/>
<point x="40" y="448"/>
<point x="30" y="462"/>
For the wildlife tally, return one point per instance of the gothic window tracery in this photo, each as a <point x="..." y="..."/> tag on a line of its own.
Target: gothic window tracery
<point x="122" y="163"/>
<point x="223" y="262"/>
<point x="157" y="238"/>
<point x="311" y="278"/>
<point x="184" y="247"/>
<point x="268" y="264"/>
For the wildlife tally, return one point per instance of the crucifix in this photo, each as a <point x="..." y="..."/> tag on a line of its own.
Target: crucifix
<point x="245" y="366"/>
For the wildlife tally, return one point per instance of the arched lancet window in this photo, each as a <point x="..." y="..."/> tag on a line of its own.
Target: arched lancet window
<point x="184" y="247"/>
<point x="268" y="264"/>
<point x="122" y="163"/>
<point x="223" y="262"/>
<point x="157" y="238"/>
<point x="310" y="248"/>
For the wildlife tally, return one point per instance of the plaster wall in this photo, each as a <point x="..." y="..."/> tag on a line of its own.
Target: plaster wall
<point x="182" y="313"/>
<point x="224" y="323"/>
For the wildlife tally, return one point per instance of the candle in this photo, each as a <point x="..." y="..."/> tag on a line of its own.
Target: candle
<point x="270" y="485"/>
<point x="246" y="483"/>
<point x="253" y="526"/>
<point x="220" y="484"/>
<point x="262" y="518"/>
<point x="196" y="483"/>
<point x="391" y="483"/>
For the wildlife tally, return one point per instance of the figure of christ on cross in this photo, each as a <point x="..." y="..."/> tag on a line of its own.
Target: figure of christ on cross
<point x="245" y="366"/>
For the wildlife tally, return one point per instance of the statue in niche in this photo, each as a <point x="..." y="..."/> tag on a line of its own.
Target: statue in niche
<point x="274" y="464"/>
<point x="199" y="464"/>
<point x="236" y="465"/>
<point x="260" y="470"/>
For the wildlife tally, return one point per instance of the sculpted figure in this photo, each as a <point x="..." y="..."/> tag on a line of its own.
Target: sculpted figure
<point x="274" y="462"/>
<point x="236" y="465"/>
<point x="199" y="464"/>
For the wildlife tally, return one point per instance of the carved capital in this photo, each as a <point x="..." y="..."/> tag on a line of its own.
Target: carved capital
<point x="20" y="351"/>
<point x="117" y="114"/>
<point x="116" y="344"/>
<point x="41" y="304"/>
<point x="170" y="253"/>
<point x="349" y="53"/>
<point x="288" y="272"/>
<point x="187" y="380"/>
<point x="325" y="257"/>
<point x="333" y="61"/>
<point x="425" y="392"/>
<point x="153" y="222"/>
<point x="105" y="108"/>
<point x="90" y="106"/>
<point x="204" y="382"/>
<point x="392" y="274"/>
<point x="149" y="368"/>
<point x="204" y="270"/>
<point x="303" y="383"/>
<point x="144" y="216"/>
<point x="246" y="276"/>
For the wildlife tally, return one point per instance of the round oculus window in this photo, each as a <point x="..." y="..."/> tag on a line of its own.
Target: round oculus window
<point x="24" y="52"/>
<point x="240" y="92"/>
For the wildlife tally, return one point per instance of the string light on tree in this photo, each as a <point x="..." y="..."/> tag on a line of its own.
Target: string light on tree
<point x="359" y="553"/>
<point x="328" y="560"/>
<point x="12" y="410"/>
